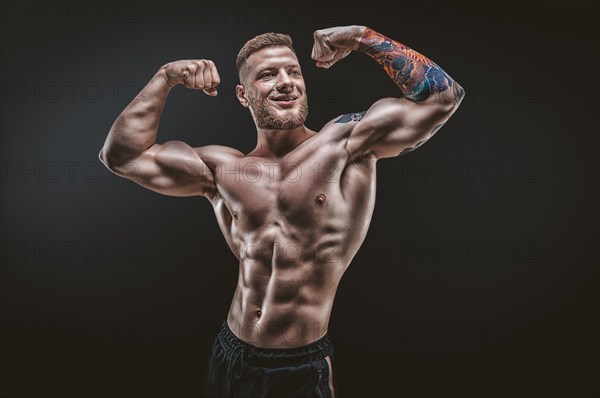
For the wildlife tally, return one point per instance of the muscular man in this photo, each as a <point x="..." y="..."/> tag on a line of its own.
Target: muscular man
<point x="294" y="210"/>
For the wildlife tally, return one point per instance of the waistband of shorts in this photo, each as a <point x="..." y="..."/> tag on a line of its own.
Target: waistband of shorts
<point x="274" y="357"/>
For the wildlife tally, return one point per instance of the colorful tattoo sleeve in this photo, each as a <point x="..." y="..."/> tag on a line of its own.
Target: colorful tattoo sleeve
<point x="417" y="76"/>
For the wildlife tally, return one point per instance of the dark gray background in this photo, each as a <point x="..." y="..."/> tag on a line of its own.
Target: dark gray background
<point x="478" y="277"/>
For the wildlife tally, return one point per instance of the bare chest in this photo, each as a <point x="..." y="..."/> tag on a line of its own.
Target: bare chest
<point x="298" y="190"/>
<point x="312" y="197"/>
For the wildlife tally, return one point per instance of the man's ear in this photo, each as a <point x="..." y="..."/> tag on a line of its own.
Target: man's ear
<point x="240" y="92"/>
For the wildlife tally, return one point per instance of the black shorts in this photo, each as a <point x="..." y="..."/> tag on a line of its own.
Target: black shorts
<point x="238" y="369"/>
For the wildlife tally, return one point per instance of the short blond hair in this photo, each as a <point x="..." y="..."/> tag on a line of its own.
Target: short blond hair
<point x="259" y="42"/>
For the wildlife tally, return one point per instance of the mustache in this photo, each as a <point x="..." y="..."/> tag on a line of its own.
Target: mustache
<point x="267" y="118"/>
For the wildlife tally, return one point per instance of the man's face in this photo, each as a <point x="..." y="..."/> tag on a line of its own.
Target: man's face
<point x="275" y="89"/>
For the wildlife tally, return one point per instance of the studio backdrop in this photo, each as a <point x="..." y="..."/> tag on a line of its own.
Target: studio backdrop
<point x="479" y="273"/>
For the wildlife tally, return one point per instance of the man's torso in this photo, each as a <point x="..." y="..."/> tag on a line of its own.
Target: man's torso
<point x="295" y="224"/>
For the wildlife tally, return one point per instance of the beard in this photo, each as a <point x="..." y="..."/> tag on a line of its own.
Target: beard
<point x="270" y="119"/>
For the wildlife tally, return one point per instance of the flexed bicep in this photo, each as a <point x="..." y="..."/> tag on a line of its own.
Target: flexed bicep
<point x="173" y="168"/>
<point x="392" y="126"/>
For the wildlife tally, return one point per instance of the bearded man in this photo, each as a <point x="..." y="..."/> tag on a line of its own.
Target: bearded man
<point x="295" y="209"/>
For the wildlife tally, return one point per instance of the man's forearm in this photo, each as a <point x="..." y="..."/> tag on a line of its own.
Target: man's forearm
<point x="136" y="128"/>
<point x="416" y="75"/>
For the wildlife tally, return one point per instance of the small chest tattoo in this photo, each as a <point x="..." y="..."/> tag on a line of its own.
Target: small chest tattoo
<point x="351" y="117"/>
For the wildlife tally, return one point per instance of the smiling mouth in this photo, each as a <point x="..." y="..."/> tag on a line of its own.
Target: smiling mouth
<point x="285" y="101"/>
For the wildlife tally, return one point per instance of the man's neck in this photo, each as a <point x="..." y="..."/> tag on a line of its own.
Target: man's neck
<point x="278" y="143"/>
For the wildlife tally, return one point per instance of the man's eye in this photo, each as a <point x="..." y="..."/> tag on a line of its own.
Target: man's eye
<point x="296" y="72"/>
<point x="266" y="74"/>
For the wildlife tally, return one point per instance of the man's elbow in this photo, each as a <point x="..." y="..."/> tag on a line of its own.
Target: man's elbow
<point x="451" y="100"/>
<point x="107" y="160"/>
<point x="458" y="94"/>
<point x="444" y="102"/>
<point x="101" y="156"/>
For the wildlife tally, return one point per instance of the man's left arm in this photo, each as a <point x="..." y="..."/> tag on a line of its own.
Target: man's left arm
<point x="392" y="126"/>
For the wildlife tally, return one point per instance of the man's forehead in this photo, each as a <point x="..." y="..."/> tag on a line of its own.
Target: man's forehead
<point x="272" y="57"/>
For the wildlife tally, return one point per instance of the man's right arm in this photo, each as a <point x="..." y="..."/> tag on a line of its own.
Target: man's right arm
<point x="130" y="151"/>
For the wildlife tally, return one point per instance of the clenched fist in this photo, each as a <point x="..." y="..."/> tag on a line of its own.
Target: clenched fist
<point x="333" y="44"/>
<point x="199" y="74"/>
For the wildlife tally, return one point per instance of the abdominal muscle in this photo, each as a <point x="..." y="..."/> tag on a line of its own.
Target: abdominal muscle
<point x="284" y="303"/>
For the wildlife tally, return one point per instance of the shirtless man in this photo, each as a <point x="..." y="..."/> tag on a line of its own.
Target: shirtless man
<point x="294" y="210"/>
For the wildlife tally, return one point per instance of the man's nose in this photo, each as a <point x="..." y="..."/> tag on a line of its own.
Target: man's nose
<point x="284" y="82"/>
